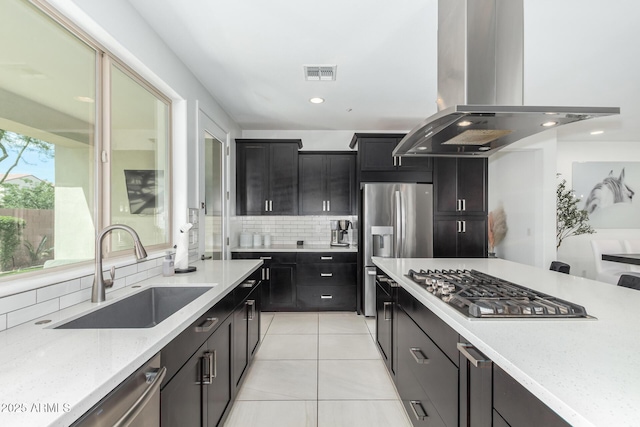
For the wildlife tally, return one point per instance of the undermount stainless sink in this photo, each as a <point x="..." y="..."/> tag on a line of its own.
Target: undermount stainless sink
<point x="145" y="309"/>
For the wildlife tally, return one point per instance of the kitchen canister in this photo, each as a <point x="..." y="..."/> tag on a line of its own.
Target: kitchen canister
<point x="257" y="240"/>
<point x="245" y="240"/>
<point x="267" y="240"/>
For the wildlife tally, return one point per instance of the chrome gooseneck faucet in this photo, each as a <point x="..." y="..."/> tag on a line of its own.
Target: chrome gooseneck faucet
<point x="99" y="282"/>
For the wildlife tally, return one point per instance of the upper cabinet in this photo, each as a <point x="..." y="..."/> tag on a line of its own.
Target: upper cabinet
<point x="377" y="163"/>
<point x="460" y="186"/>
<point x="327" y="183"/>
<point x="267" y="176"/>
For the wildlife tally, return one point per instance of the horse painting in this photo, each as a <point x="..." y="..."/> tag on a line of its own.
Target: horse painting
<point x="611" y="190"/>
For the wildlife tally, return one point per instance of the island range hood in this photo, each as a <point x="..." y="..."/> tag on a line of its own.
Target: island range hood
<point x="480" y="85"/>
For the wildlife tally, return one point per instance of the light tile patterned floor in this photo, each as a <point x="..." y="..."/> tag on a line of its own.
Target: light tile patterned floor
<point x="317" y="370"/>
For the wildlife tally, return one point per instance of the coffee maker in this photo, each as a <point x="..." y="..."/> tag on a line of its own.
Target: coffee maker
<point x="338" y="232"/>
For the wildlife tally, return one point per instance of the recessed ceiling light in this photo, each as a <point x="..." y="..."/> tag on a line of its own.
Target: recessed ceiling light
<point x="549" y="124"/>
<point x="597" y="132"/>
<point x="465" y="123"/>
<point x="316" y="100"/>
<point x="84" y="99"/>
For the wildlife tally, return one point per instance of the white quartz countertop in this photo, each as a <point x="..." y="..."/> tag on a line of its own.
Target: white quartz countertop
<point x="586" y="370"/>
<point x="51" y="377"/>
<point x="296" y="248"/>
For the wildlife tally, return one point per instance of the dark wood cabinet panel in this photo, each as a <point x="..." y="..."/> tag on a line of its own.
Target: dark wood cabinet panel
<point x="518" y="406"/>
<point x="464" y="237"/>
<point x="385" y="306"/>
<point x="326" y="274"/>
<point x="280" y="294"/>
<point x="327" y="184"/>
<point x="460" y="186"/>
<point x="267" y="177"/>
<point x="327" y="298"/>
<point x="181" y="399"/>
<point x="376" y="153"/>
<point x="218" y="393"/>
<point x="240" y="344"/>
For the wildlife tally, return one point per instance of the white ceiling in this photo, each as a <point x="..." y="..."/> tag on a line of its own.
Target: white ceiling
<point x="250" y="54"/>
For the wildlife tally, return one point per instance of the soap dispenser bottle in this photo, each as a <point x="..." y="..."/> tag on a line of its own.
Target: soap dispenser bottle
<point x="168" y="268"/>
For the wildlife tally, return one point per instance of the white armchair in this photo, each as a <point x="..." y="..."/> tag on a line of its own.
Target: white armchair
<point x="607" y="271"/>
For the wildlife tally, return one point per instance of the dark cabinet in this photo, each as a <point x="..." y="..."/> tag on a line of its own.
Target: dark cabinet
<point x="200" y="393"/>
<point x="464" y="237"/>
<point x="475" y="385"/>
<point x="278" y="277"/>
<point x="376" y="162"/>
<point x="326" y="281"/>
<point x="460" y="208"/>
<point x="327" y="183"/>
<point x="386" y="324"/>
<point x="267" y="177"/>
<point x="246" y="334"/>
<point x="207" y="361"/>
<point x="517" y="406"/>
<point x="460" y="186"/>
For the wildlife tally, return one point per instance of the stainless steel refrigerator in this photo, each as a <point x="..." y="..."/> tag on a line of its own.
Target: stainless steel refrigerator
<point x="397" y="222"/>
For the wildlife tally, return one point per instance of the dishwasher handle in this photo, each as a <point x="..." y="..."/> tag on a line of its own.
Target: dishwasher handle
<point x="154" y="379"/>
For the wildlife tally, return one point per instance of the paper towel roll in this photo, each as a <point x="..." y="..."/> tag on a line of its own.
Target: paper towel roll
<point x="182" y="248"/>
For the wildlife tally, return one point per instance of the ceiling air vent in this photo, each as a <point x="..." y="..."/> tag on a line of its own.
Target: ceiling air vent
<point x="320" y="72"/>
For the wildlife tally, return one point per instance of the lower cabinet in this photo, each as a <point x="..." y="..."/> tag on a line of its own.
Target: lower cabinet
<point x="441" y="378"/>
<point x="202" y="385"/>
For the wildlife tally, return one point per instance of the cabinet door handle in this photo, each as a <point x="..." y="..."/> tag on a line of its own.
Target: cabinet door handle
<point x="251" y="303"/>
<point x="326" y="258"/>
<point x="210" y="357"/>
<point x="477" y="359"/>
<point x="384" y="310"/>
<point x="458" y="226"/>
<point x="328" y="205"/>
<point x="207" y="325"/>
<point x="270" y="205"/>
<point x="266" y="206"/>
<point x="326" y="274"/>
<point x="464" y="226"/>
<point x="326" y="296"/>
<point x="394" y="160"/>
<point x="418" y="410"/>
<point x="268" y="274"/>
<point x="265" y="258"/>
<point x="419" y="356"/>
<point x="464" y="204"/>
<point x="324" y="206"/>
<point x="399" y="161"/>
<point x="262" y="273"/>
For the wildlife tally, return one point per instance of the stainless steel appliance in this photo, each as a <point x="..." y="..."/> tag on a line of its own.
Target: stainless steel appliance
<point x="480" y="85"/>
<point x="476" y="294"/>
<point x="397" y="222"/>
<point x="134" y="403"/>
<point x="339" y="230"/>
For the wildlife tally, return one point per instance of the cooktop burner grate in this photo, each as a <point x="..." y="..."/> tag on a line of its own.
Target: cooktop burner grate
<point x="478" y="294"/>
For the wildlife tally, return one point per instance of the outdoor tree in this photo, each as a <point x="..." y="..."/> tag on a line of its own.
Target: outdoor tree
<point x="39" y="196"/>
<point x="570" y="221"/>
<point x="14" y="143"/>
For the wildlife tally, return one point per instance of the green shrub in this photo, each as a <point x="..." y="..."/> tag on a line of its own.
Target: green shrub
<point x="10" y="232"/>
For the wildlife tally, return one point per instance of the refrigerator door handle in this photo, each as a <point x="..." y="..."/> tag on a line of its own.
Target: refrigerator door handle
<point x="398" y="224"/>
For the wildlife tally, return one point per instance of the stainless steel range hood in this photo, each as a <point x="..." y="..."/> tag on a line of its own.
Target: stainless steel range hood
<point x="480" y="89"/>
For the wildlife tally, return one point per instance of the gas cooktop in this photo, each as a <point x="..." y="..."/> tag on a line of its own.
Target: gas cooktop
<point x="479" y="295"/>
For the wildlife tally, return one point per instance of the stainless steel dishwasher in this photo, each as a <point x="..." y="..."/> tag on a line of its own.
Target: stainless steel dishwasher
<point x="135" y="402"/>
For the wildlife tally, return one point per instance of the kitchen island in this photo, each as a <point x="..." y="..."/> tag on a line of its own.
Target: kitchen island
<point x="51" y="377"/>
<point x="583" y="369"/>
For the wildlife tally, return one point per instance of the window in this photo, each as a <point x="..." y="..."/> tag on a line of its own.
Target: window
<point x="56" y="130"/>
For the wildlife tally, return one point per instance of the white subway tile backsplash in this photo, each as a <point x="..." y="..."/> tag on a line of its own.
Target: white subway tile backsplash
<point x="31" y="312"/>
<point x="117" y="284"/>
<point x="75" y="298"/>
<point x="3" y="322"/>
<point x="127" y="271"/>
<point x="146" y="265"/>
<point x="17" y="301"/>
<point x="57" y="290"/>
<point x="289" y="229"/>
<point x="86" y="282"/>
<point x="135" y="278"/>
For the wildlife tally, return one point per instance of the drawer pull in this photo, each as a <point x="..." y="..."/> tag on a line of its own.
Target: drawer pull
<point x="326" y="274"/>
<point x="418" y="356"/>
<point x="265" y="257"/>
<point x="418" y="410"/>
<point x="384" y="310"/>
<point x="251" y="303"/>
<point x="207" y="325"/>
<point x="248" y="284"/>
<point x="326" y="296"/>
<point x="326" y="258"/>
<point x="477" y="359"/>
